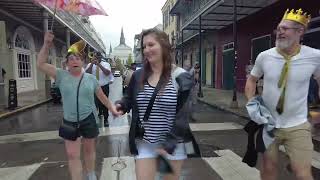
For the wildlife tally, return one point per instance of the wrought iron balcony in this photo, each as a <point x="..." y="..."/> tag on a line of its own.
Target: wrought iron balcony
<point x="189" y="9"/>
<point x="187" y="34"/>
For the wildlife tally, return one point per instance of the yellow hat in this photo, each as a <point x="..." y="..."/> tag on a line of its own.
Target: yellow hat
<point x="297" y="16"/>
<point x="77" y="48"/>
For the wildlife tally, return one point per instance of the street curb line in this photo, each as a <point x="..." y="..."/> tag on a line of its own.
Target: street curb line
<point x="224" y="109"/>
<point x="23" y="108"/>
<point x="227" y="110"/>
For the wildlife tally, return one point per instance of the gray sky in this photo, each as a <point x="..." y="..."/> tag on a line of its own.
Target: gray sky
<point x="132" y="15"/>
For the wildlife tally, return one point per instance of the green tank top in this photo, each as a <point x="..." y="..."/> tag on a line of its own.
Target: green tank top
<point x="68" y="87"/>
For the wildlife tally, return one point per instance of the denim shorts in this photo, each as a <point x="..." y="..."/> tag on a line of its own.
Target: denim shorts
<point x="88" y="128"/>
<point x="148" y="150"/>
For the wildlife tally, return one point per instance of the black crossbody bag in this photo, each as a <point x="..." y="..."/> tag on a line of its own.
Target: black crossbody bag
<point x="139" y="128"/>
<point x="69" y="131"/>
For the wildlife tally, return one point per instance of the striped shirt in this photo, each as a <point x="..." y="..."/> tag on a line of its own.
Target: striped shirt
<point x="163" y="112"/>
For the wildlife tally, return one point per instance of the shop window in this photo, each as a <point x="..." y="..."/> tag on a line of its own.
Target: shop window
<point x="228" y="46"/>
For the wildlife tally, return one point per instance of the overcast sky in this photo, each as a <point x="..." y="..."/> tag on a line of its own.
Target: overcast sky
<point x="132" y="15"/>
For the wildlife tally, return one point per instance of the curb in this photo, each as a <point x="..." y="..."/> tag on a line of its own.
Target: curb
<point x="23" y="108"/>
<point x="315" y="142"/>
<point x="224" y="109"/>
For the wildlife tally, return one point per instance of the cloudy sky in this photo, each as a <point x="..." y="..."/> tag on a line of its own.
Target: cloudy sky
<point x="132" y="15"/>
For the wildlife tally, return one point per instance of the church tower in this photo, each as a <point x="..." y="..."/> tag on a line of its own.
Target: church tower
<point x="110" y="49"/>
<point x="122" y="51"/>
<point x="122" y="39"/>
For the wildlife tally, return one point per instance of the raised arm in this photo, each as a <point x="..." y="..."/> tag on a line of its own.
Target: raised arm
<point x="104" y="69"/>
<point x="42" y="59"/>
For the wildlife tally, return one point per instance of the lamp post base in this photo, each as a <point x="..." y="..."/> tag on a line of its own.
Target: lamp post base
<point x="234" y="104"/>
<point x="47" y="88"/>
<point x="200" y="94"/>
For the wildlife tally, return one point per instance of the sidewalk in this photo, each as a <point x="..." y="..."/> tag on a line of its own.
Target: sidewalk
<point x="26" y="100"/>
<point x="221" y="99"/>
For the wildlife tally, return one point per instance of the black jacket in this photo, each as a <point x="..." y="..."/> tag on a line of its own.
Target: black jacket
<point x="255" y="143"/>
<point x="181" y="129"/>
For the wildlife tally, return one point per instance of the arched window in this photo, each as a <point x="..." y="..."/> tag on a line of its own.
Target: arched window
<point x="24" y="65"/>
<point x="22" y="42"/>
<point x="23" y="46"/>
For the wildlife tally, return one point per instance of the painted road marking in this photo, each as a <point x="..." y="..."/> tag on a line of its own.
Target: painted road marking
<point x="230" y="166"/>
<point x="117" y="130"/>
<point x="214" y="126"/>
<point x="49" y="135"/>
<point x="18" y="173"/>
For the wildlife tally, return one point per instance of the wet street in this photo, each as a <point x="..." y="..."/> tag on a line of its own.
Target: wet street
<point x="30" y="148"/>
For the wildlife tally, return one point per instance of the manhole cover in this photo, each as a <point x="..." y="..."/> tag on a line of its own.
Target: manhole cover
<point x="119" y="166"/>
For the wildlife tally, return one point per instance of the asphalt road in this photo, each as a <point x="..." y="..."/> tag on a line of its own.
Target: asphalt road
<point x="30" y="148"/>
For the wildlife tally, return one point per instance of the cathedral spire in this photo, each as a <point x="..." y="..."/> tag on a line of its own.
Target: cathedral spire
<point x="122" y="39"/>
<point x="110" y="49"/>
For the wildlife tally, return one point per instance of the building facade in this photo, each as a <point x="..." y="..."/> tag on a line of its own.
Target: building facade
<point x="122" y="51"/>
<point x="205" y="34"/>
<point x="169" y="22"/>
<point x="22" y="27"/>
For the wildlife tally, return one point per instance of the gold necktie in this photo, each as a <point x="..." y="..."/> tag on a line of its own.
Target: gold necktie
<point x="282" y="83"/>
<point x="97" y="72"/>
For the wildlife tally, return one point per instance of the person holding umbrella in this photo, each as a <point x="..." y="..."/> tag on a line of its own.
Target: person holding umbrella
<point x="78" y="127"/>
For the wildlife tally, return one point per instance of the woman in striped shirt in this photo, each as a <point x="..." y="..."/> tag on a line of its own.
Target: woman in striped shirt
<point x="166" y="131"/>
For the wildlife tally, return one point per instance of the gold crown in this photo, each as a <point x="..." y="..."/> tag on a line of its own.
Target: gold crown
<point x="77" y="48"/>
<point x="297" y="16"/>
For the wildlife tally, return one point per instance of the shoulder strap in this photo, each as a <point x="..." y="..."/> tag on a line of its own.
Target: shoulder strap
<point x="78" y="98"/>
<point x="153" y="97"/>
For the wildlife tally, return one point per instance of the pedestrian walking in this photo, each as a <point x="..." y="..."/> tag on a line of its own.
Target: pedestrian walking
<point x="194" y="72"/>
<point x="101" y="70"/>
<point x="158" y="95"/>
<point x="127" y="77"/>
<point x="78" y="127"/>
<point x="287" y="69"/>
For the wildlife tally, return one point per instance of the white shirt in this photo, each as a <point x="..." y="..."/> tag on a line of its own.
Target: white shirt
<point x="103" y="79"/>
<point x="269" y="63"/>
<point x="111" y="77"/>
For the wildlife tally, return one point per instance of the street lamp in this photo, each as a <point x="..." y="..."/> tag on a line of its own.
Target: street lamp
<point x="200" y="93"/>
<point x="234" y="103"/>
<point x="173" y="45"/>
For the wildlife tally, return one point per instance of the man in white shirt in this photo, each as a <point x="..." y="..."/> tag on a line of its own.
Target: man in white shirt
<point x="102" y="71"/>
<point x="287" y="69"/>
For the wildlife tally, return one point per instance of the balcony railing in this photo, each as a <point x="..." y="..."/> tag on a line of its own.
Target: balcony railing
<point x="192" y="8"/>
<point x="186" y="36"/>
